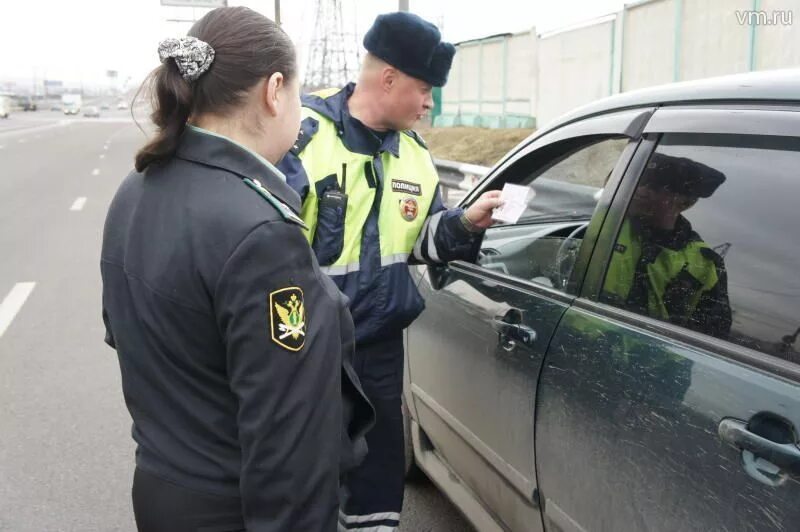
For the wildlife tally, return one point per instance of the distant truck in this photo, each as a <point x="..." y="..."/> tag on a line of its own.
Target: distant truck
<point x="5" y="106"/>
<point x="71" y="103"/>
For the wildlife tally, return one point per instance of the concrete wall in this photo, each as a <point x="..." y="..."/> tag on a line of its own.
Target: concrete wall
<point x="778" y="46"/>
<point x="712" y="42"/>
<point x="648" y="44"/>
<point x="523" y="87"/>
<point x="492" y="82"/>
<point x="575" y="68"/>
<point x="526" y="79"/>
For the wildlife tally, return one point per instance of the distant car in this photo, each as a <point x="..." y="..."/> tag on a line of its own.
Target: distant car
<point x="92" y="112"/>
<point x="104" y="107"/>
<point x="122" y="106"/>
<point x="577" y="375"/>
<point x="55" y="108"/>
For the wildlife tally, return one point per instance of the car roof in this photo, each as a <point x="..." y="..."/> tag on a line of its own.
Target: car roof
<point x="773" y="86"/>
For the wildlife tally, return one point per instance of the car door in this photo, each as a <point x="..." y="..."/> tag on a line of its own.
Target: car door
<point x="686" y="422"/>
<point x="476" y="352"/>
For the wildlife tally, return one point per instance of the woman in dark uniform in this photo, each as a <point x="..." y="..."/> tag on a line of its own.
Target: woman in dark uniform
<point x="234" y="349"/>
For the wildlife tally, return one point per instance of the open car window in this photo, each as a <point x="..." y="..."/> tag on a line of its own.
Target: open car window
<point x="567" y="179"/>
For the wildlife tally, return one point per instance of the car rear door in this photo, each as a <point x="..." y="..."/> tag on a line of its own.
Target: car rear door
<point x="476" y="352"/>
<point x="645" y="424"/>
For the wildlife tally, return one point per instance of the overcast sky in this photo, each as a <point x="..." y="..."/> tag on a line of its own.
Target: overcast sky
<point x="73" y="40"/>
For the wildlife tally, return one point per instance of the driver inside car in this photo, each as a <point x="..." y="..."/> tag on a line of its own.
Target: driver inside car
<point x="660" y="266"/>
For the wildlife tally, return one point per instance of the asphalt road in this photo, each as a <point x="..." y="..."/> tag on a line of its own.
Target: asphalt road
<point x="66" y="456"/>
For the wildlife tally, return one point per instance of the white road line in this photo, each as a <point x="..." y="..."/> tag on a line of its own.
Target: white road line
<point x="96" y="171"/>
<point x="102" y="155"/>
<point x="1" y="146"/>
<point x="105" y="147"/>
<point x="12" y="303"/>
<point x="78" y="205"/>
<point x="22" y="141"/>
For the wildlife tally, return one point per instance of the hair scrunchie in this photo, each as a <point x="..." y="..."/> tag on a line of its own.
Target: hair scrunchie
<point x="192" y="56"/>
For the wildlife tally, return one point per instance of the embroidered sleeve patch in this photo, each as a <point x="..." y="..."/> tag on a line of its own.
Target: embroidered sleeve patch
<point x="287" y="315"/>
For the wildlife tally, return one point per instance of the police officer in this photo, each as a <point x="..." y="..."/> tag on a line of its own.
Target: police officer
<point x="371" y="199"/>
<point x="660" y="266"/>
<point x="234" y="349"/>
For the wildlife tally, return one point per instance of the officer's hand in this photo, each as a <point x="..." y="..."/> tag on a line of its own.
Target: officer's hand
<point x="479" y="213"/>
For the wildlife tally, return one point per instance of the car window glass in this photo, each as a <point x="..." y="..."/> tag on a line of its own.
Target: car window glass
<point x="566" y="180"/>
<point x="709" y="240"/>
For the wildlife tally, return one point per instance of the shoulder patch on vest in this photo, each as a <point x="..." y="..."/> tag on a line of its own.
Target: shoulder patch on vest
<point x="308" y="128"/>
<point x="319" y="102"/>
<point x="286" y="213"/>
<point x="713" y="256"/>
<point x="416" y="136"/>
<point x="326" y="93"/>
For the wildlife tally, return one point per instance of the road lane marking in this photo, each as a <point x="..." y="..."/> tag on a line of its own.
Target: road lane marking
<point x="22" y="141"/>
<point x="102" y="155"/>
<point x="12" y="303"/>
<point x="78" y="205"/>
<point x="105" y="147"/>
<point x="1" y="146"/>
<point x="96" y="171"/>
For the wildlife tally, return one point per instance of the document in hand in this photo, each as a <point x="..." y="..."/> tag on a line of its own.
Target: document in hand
<point x="515" y="201"/>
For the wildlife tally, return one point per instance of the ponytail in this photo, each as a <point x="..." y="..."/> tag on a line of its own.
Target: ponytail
<point x="171" y="101"/>
<point x="245" y="47"/>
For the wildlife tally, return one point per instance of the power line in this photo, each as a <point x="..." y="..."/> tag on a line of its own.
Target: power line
<point x="334" y="54"/>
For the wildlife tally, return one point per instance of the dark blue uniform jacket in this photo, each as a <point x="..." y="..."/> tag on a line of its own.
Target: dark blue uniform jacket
<point x="191" y="255"/>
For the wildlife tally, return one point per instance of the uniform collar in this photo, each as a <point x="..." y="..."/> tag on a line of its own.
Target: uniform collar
<point x="357" y="137"/>
<point x="211" y="149"/>
<point x="676" y="239"/>
<point x="266" y="163"/>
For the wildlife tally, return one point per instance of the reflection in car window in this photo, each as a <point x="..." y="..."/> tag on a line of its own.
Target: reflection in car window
<point x="543" y="245"/>
<point x="709" y="240"/>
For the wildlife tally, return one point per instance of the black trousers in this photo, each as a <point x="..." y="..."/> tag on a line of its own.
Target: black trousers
<point x="161" y="506"/>
<point x="376" y="486"/>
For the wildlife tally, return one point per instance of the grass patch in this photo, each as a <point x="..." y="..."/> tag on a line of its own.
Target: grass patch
<point x="474" y="145"/>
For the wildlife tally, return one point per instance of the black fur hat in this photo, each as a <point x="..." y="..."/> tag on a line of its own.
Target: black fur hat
<point x="411" y="44"/>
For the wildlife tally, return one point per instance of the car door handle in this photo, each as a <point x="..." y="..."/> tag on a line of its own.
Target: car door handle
<point x="510" y="332"/>
<point x="784" y="455"/>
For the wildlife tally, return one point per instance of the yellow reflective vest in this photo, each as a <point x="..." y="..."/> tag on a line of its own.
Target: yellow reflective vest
<point x="668" y="282"/>
<point x="392" y="212"/>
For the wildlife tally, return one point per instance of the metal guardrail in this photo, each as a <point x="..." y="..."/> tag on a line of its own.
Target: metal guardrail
<point x="454" y="175"/>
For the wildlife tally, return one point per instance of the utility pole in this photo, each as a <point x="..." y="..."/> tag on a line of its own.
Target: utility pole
<point x="278" y="12"/>
<point x="403" y="5"/>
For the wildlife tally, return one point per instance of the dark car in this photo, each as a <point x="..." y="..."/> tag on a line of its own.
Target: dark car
<point x="625" y="356"/>
<point x="28" y="104"/>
